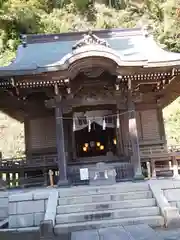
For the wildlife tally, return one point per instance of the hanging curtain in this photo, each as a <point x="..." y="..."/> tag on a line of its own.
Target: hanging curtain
<point x="79" y="121"/>
<point x="102" y="117"/>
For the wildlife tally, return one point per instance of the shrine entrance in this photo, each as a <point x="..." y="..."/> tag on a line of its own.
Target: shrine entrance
<point x="94" y="133"/>
<point x="97" y="142"/>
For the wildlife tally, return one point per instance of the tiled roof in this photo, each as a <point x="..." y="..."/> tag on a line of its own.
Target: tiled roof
<point x="131" y="47"/>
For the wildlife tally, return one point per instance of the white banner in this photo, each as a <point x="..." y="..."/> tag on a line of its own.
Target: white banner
<point x="102" y="117"/>
<point x="84" y="174"/>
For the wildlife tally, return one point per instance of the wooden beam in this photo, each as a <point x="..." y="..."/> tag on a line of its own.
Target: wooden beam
<point x="161" y="123"/>
<point x="145" y="106"/>
<point x="61" y="151"/>
<point x="78" y="102"/>
<point x="133" y="134"/>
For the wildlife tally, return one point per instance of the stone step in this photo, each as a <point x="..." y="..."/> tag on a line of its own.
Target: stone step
<point x="108" y="214"/>
<point x="106" y="205"/>
<point x="152" y="221"/>
<point x="116" y="188"/>
<point x="105" y="197"/>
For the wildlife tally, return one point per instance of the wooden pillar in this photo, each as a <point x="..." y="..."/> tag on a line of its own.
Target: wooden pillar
<point x="56" y="103"/>
<point x="161" y="124"/>
<point x="175" y="168"/>
<point x="148" y="169"/>
<point x="21" y="177"/>
<point x="153" y="168"/>
<point x="73" y="142"/>
<point x="73" y="146"/>
<point x="119" y="135"/>
<point x="60" y="142"/>
<point x="27" y="138"/>
<point x="125" y="134"/>
<point x="133" y="135"/>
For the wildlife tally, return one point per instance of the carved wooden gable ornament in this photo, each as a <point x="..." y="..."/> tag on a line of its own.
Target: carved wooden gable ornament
<point x="89" y="39"/>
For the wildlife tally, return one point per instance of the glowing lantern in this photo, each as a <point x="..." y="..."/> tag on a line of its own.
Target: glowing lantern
<point x="114" y="141"/>
<point x="85" y="149"/>
<point x="86" y="145"/>
<point x="101" y="147"/>
<point x="98" y="144"/>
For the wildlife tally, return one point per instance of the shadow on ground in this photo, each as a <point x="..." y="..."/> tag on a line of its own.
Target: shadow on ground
<point x="19" y="236"/>
<point x="29" y="236"/>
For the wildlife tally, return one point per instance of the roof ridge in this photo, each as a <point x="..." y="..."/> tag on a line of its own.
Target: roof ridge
<point x="53" y="37"/>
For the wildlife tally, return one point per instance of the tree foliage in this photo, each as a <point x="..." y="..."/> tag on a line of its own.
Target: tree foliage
<point x="50" y="16"/>
<point x="172" y="122"/>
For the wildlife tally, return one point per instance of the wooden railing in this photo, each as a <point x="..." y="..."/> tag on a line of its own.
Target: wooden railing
<point x="21" y="166"/>
<point x="43" y="161"/>
<point x="156" y="151"/>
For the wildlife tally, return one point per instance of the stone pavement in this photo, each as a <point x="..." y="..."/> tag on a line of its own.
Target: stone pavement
<point x="142" y="233"/>
<point x="169" y="234"/>
<point x="106" y="234"/>
<point x="131" y="232"/>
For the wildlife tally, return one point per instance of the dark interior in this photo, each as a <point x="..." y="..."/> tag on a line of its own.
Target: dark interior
<point x="96" y="142"/>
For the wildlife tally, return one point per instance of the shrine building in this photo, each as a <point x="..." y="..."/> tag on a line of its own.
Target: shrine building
<point x="89" y="97"/>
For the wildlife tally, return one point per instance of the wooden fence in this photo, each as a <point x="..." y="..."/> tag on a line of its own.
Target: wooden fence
<point x="22" y="172"/>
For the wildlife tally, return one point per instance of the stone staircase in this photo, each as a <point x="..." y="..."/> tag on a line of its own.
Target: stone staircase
<point x="83" y="208"/>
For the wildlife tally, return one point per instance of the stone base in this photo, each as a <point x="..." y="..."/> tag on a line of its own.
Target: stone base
<point x="63" y="183"/>
<point x="176" y="177"/>
<point x="104" y="181"/>
<point x="138" y="177"/>
<point x="46" y="230"/>
<point x="102" y="174"/>
<point x="153" y="178"/>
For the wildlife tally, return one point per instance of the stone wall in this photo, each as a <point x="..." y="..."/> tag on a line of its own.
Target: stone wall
<point x="27" y="209"/>
<point x="3" y="205"/>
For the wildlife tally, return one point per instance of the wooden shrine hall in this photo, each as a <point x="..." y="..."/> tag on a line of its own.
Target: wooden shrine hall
<point x="89" y="97"/>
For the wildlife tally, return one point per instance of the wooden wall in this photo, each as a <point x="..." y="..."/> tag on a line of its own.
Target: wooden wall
<point x="41" y="134"/>
<point x="148" y="125"/>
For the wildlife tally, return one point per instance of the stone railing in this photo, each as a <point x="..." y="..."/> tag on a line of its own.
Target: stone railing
<point x="48" y="223"/>
<point x="29" y="211"/>
<point x="169" y="212"/>
<point x="3" y="205"/>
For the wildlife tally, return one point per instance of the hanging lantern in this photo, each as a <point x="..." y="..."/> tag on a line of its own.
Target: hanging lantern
<point x="104" y="124"/>
<point x="89" y="125"/>
<point x="74" y="125"/>
<point x="117" y="121"/>
<point x="85" y="149"/>
<point x="101" y="147"/>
